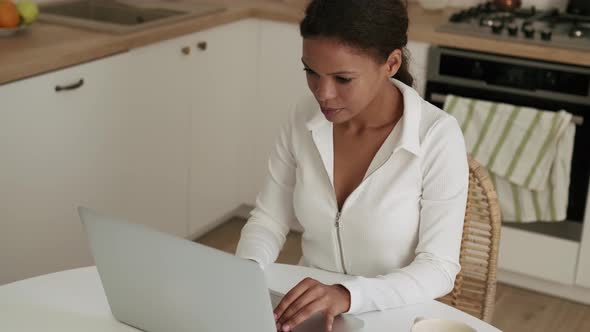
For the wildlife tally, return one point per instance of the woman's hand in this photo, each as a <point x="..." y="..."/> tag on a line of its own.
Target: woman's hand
<point x="307" y="298"/>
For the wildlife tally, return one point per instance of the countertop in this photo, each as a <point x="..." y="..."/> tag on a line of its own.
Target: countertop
<point x="47" y="47"/>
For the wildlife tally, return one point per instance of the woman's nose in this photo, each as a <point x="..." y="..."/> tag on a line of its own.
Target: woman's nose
<point x="325" y="90"/>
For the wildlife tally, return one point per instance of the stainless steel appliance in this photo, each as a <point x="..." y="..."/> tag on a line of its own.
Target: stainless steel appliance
<point x="530" y="83"/>
<point x="579" y="7"/>
<point x="527" y="25"/>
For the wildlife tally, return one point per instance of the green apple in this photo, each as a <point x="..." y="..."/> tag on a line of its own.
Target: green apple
<point x="28" y="10"/>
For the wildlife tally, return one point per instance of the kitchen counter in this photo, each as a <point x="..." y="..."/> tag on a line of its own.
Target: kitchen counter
<point x="47" y="47"/>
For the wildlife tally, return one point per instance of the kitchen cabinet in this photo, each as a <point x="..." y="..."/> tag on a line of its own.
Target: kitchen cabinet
<point x="546" y="264"/>
<point x="84" y="146"/>
<point x="55" y="156"/>
<point x="208" y="81"/>
<point x="280" y="84"/>
<point x="583" y="268"/>
<point x="540" y="252"/>
<point x="222" y="87"/>
<point x="157" y="142"/>
<point x="418" y="59"/>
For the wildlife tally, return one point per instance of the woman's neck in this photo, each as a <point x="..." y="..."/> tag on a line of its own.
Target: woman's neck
<point x="383" y="112"/>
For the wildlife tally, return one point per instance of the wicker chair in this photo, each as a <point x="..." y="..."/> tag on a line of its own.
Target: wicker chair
<point x="475" y="285"/>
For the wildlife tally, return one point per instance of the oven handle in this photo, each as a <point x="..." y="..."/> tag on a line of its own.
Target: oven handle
<point x="440" y="98"/>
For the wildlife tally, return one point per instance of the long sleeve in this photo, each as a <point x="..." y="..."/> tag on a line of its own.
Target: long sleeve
<point x="265" y="232"/>
<point x="442" y="207"/>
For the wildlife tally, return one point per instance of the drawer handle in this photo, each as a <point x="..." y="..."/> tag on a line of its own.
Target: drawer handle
<point x="186" y="50"/>
<point x="202" y="45"/>
<point x="73" y="86"/>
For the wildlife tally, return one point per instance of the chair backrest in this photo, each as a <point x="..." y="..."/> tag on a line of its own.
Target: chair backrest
<point x="475" y="285"/>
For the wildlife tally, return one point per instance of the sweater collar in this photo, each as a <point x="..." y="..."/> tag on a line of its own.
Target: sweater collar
<point x="408" y="134"/>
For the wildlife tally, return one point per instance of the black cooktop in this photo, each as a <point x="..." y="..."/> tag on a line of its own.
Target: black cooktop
<point x="544" y="27"/>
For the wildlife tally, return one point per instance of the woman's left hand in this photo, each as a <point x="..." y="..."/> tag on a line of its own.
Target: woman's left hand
<point x="307" y="298"/>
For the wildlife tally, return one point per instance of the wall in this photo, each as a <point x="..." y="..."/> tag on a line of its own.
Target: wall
<point x="539" y="4"/>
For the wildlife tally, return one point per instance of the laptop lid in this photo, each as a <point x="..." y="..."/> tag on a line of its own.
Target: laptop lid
<point x="160" y="283"/>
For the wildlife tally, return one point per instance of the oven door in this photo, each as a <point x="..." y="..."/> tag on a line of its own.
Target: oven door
<point x="580" y="174"/>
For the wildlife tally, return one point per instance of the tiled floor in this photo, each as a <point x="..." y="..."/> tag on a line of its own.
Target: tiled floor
<point x="517" y="310"/>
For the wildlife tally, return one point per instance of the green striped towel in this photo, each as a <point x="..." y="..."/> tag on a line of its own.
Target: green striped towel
<point x="527" y="151"/>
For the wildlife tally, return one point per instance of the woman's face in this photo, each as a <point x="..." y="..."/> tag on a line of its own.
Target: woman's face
<point x="343" y="80"/>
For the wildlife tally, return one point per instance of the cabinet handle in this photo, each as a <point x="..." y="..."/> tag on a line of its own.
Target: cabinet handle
<point x="186" y="50"/>
<point x="202" y="45"/>
<point x="73" y="86"/>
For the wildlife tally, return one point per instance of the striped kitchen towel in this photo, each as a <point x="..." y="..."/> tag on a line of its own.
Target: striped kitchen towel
<point x="527" y="151"/>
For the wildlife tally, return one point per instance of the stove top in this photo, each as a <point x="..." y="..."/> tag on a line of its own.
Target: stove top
<point x="527" y="25"/>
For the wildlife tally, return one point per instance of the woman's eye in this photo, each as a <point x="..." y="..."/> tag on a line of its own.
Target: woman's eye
<point x="339" y="79"/>
<point x="343" y="80"/>
<point x="308" y="71"/>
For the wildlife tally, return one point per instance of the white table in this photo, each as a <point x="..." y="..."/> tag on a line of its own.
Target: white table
<point x="74" y="300"/>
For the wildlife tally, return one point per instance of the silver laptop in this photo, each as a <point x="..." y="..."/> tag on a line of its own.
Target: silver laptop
<point x="157" y="282"/>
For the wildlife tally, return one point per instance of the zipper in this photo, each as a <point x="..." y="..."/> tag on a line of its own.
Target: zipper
<point x="338" y="226"/>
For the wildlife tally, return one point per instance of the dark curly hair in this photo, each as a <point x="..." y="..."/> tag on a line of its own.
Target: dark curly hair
<point x="377" y="27"/>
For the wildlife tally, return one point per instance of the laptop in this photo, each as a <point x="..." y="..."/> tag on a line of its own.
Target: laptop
<point x="157" y="282"/>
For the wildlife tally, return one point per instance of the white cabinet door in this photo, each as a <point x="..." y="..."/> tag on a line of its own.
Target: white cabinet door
<point x="583" y="270"/>
<point x="281" y="83"/>
<point x="59" y="150"/>
<point x="540" y="252"/>
<point x="153" y="139"/>
<point x="222" y="76"/>
<point x="119" y="143"/>
<point x="418" y="58"/>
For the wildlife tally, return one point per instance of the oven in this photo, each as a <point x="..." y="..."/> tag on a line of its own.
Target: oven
<point x="523" y="82"/>
<point x="579" y="7"/>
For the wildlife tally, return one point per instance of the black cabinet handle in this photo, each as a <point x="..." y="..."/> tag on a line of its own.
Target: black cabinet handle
<point x="202" y="45"/>
<point x="73" y="86"/>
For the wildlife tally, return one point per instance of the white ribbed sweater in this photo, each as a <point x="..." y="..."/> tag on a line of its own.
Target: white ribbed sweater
<point x="399" y="231"/>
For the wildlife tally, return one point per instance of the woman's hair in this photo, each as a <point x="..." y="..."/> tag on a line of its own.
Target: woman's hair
<point x="377" y="27"/>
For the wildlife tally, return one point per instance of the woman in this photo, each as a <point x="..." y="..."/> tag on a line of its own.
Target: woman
<point x="376" y="176"/>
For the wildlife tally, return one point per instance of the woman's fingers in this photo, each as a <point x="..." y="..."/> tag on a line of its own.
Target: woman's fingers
<point x="292" y="296"/>
<point x="310" y="295"/>
<point x="329" y="321"/>
<point x="303" y="314"/>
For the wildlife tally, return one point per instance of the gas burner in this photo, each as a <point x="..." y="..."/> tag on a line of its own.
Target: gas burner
<point x="528" y="30"/>
<point x="576" y="32"/>
<point x="527" y="25"/>
<point x="497" y="27"/>
<point x="512" y="29"/>
<point x="486" y="22"/>
<point x="546" y="34"/>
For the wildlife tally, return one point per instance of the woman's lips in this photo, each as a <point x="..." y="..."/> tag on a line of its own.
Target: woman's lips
<point x="330" y="112"/>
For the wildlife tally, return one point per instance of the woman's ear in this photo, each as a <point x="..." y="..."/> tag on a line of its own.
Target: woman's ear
<point x="394" y="62"/>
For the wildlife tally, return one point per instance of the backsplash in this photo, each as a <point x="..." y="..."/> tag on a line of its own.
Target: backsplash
<point x="539" y="4"/>
<point x="542" y="4"/>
